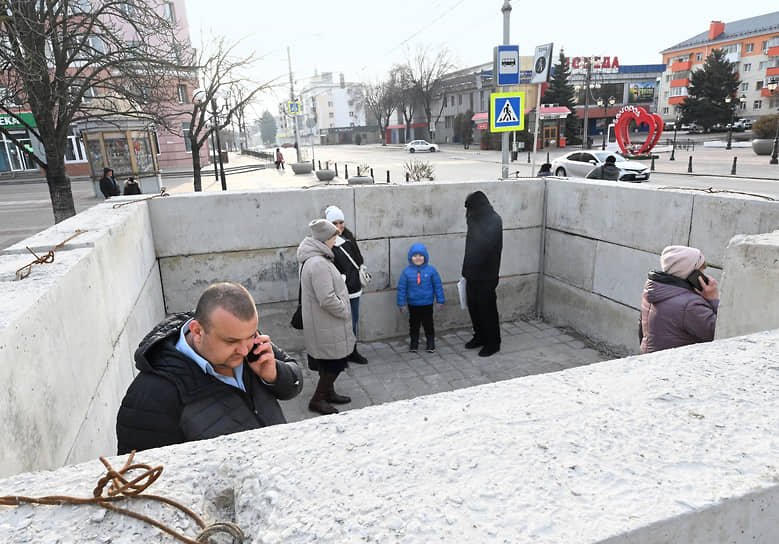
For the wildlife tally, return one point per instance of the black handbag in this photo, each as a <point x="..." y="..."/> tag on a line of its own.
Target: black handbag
<point x="297" y="318"/>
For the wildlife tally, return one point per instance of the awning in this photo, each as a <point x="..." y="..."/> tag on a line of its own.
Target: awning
<point x="551" y="112"/>
<point x="481" y="117"/>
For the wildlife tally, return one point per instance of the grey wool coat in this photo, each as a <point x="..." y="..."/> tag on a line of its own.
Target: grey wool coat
<point x="327" y="315"/>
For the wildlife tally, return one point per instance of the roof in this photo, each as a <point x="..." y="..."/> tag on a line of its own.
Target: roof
<point x="762" y="24"/>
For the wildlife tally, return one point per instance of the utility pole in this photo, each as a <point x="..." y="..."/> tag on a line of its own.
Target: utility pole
<point x="292" y="99"/>
<point x="504" y="171"/>
<point x="586" y="135"/>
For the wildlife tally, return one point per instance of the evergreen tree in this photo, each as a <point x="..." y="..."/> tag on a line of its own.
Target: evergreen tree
<point x="560" y="92"/>
<point x="268" y="128"/>
<point x="705" y="103"/>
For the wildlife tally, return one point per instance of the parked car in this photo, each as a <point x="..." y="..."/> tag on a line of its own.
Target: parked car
<point x="692" y="128"/>
<point x="742" y="124"/>
<point x="577" y="164"/>
<point x="421" y="145"/>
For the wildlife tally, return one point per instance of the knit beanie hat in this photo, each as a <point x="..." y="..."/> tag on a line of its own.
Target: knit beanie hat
<point x="334" y="213"/>
<point x="680" y="261"/>
<point x="322" y="229"/>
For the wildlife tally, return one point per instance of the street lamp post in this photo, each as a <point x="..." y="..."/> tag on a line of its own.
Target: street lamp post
<point x="728" y="100"/>
<point x="601" y="102"/>
<point x="775" y="155"/>
<point x="676" y="128"/>
<point x="218" y="144"/>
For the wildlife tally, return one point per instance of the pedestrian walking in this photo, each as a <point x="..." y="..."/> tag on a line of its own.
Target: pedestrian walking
<point x="279" y="159"/>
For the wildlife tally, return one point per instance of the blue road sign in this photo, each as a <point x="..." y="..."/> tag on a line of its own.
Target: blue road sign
<point x="507" y="112"/>
<point x="508" y="65"/>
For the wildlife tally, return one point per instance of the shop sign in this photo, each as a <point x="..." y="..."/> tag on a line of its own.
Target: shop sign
<point x="599" y="64"/>
<point x="9" y="122"/>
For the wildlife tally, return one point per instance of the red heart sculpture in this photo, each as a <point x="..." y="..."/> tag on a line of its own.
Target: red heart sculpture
<point x="640" y="115"/>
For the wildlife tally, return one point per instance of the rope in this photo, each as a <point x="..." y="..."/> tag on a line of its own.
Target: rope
<point x="712" y="190"/>
<point x="122" y="489"/>
<point x="163" y="192"/>
<point x="25" y="271"/>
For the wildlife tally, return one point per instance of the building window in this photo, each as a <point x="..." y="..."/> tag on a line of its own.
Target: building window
<point x="742" y="105"/>
<point x="745" y="86"/>
<point x="451" y="100"/>
<point x="448" y="121"/>
<point x="169" y="11"/>
<point x="747" y="67"/>
<point x="668" y="78"/>
<point x="181" y="90"/>
<point x="665" y="110"/>
<point x="750" y="47"/>
<point x="459" y="100"/>
<point x="763" y="65"/>
<point x="764" y="46"/>
<point x="74" y="152"/>
<point x="679" y="91"/>
<point x="757" y="105"/>
<point x="759" y="85"/>
<point x="351" y="114"/>
<point x="699" y="57"/>
<point x="330" y="104"/>
<point x="187" y="136"/>
<point x="665" y="95"/>
<point x="331" y="115"/>
<point x="127" y="8"/>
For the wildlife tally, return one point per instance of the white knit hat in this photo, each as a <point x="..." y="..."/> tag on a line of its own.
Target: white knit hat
<point x="334" y="213"/>
<point x="322" y="229"/>
<point x="680" y="261"/>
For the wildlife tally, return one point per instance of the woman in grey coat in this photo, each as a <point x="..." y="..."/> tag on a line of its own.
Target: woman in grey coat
<point x="327" y="318"/>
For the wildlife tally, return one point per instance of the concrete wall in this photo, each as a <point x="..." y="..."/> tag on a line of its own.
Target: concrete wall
<point x="252" y="238"/>
<point x="603" y="238"/>
<point x="67" y="335"/>
<point x="677" y="446"/>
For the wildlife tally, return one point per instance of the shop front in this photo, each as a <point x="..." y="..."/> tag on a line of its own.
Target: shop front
<point x="13" y="159"/>
<point x="551" y="129"/>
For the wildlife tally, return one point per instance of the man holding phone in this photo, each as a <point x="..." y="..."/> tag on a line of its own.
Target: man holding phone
<point x="679" y="303"/>
<point x="206" y="374"/>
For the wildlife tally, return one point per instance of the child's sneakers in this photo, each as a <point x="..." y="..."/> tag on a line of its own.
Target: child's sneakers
<point x="413" y="346"/>
<point x="431" y="346"/>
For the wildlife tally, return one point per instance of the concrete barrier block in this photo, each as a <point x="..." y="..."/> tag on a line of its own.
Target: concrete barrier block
<point x="439" y="208"/>
<point x="375" y="254"/>
<point x="621" y="272"/>
<point x="570" y="258"/>
<point x="190" y="224"/>
<point x="274" y="321"/>
<point x="716" y="219"/>
<point x="270" y="275"/>
<point x="622" y="214"/>
<point x="750" y="281"/>
<point x="604" y="321"/>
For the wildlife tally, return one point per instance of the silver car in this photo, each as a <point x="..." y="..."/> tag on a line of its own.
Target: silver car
<point x="421" y="145"/>
<point x="577" y="164"/>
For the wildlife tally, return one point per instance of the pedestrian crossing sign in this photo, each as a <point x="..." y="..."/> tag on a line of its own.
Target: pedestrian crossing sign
<point x="507" y="112"/>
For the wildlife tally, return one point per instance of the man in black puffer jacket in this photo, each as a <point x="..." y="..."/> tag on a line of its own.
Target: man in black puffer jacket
<point x="198" y="380"/>
<point x="481" y="268"/>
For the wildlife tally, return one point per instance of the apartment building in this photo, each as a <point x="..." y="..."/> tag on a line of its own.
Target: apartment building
<point x="750" y="44"/>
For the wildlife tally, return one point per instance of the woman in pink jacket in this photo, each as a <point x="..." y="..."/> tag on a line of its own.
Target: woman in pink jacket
<point x="679" y="304"/>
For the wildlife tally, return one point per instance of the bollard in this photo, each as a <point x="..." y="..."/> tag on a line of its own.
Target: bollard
<point x="374" y="179"/>
<point x="336" y="169"/>
<point x="358" y="171"/>
<point x="689" y="166"/>
<point x="388" y="180"/>
<point x="652" y="167"/>
<point x="313" y="165"/>
<point x="733" y="168"/>
<point x="528" y="157"/>
<point x="407" y="177"/>
<point x="320" y="164"/>
<point x="346" y="170"/>
<point x="547" y="156"/>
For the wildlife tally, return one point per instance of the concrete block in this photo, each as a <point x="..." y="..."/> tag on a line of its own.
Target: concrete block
<point x="621" y="272"/>
<point x="604" y="321"/>
<point x="622" y="214"/>
<point x="750" y="282"/>
<point x="375" y="254"/>
<point x="716" y="219"/>
<point x="570" y="258"/>
<point x="270" y="275"/>
<point x="239" y="221"/>
<point x="439" y="208"/>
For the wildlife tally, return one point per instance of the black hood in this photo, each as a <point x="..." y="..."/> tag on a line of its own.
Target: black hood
<point x="106" y="170"/>
<point x="477" y="203"/>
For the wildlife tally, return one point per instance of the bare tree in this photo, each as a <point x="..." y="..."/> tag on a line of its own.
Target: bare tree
<point x="407" y="95"/>
<point x="225" y="92"/>
<point x="426" y="72"/>
<point x="68" y="61"/>
<point x="380" y="100"/>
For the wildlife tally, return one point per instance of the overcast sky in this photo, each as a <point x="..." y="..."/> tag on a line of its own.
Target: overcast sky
<point x="363" y="38"/>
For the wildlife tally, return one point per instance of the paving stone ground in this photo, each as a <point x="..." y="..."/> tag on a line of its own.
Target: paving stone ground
<point x="528" y="347"/>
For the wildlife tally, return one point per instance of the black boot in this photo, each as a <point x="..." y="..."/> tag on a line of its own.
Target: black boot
<point x="355" y="357"/>
<point x="414" y="345"/>
<point x="473" y="343"/>
<point x="319" y="402"/>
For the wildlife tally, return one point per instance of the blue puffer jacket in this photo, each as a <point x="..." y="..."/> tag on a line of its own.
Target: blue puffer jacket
<point x="427" y="289"/>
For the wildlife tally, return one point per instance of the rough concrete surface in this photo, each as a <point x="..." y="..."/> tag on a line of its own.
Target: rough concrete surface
<point x="636" y="446"/>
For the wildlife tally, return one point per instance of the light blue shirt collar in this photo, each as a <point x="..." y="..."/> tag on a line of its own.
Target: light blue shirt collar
<point x="183" y="347"/>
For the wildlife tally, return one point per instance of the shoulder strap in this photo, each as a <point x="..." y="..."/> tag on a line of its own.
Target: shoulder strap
<point x="341" y="247"/>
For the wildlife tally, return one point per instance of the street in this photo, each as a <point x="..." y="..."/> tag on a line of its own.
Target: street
<point x="25" y="207"/>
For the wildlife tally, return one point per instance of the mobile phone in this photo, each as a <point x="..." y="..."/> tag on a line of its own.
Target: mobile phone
<point x="251" y="356"/>
<point x="695" y="277"/>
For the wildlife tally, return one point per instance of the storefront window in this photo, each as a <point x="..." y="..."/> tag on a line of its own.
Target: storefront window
<point x="95" y="153"/>
<point x="143" y="154"/>
<point x="15" y="159"/>
<point x="117" y="154"/>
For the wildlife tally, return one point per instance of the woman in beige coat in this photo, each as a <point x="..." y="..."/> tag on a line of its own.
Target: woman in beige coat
<point x="327" y="318"/>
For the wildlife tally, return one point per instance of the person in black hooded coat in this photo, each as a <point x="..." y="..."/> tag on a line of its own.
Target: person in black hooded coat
<point x="481" y="268"/>
<point x="108" y="185"/>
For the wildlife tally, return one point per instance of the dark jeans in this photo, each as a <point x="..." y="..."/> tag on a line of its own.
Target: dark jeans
<point x="483" y="309"/>
<point x="423" y="315"/>
<point x="355" y="304"/>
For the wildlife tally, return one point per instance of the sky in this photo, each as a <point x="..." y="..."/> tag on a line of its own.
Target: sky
<point x="364" y="38"/>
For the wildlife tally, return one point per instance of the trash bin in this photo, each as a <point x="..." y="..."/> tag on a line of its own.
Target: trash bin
<point x="513" y="156"/>
<point x="224" y="157"/>
<point x="562" y="141"/>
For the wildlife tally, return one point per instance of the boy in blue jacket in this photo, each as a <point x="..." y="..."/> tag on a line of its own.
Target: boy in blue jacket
<point x="420" y="286"/>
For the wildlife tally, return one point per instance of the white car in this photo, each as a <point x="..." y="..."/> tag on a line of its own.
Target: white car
<point x="577" y="164"/>
<point x="421" y="145"/>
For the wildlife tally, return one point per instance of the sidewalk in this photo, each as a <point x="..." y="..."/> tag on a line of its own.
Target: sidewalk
<point x="527" y="348"/>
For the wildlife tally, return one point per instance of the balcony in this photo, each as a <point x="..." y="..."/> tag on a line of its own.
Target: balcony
<point x="676" y="99"/>
<point x="765" y="92"/>
<point x="681" y="66"/>
<point x="773" y="51"/>
<point x="772" y="71"/>
<point x="679" y="82"/>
